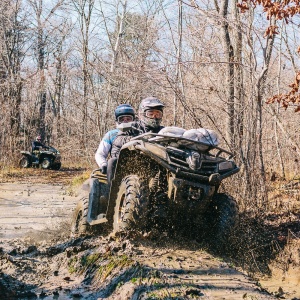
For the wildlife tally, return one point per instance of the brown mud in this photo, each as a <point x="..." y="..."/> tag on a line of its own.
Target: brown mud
<point x="39" y="259"/>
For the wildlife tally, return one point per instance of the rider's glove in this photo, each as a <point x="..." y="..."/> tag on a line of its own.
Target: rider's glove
<point x="103" y="169"/>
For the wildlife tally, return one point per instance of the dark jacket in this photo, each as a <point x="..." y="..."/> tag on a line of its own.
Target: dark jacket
<point x="36" y="146"/>
<point x="124" y="137"/>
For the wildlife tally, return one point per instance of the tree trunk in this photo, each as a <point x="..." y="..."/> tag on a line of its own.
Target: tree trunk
<point x="260" y="87"/>
<point x="229" y="54"/>
<point x="41" y="65"/>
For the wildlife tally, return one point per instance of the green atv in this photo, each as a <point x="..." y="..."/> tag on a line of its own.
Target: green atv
<point x="47" y="158"/>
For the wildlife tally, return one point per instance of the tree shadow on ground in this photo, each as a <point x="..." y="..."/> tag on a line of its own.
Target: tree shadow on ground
<point x="13" y="289"/>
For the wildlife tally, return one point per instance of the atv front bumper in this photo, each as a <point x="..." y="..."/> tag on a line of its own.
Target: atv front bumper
<point x="183" y="193"/>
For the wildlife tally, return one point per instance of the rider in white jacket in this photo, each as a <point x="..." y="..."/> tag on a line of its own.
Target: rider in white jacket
<point x="124" y="113"/>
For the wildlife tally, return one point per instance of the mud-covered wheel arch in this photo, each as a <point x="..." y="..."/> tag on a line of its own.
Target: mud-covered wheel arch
<point x="79" y="223"/>
<point x="129" y="163"/>
<point x="222" y="218"/>
<point x="131" y="205"/>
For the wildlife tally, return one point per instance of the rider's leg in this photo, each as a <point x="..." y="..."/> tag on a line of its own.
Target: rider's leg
<point x="111" y="166"/>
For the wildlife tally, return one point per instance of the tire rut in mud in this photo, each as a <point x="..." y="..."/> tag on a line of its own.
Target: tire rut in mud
<point x="116" y="267"/>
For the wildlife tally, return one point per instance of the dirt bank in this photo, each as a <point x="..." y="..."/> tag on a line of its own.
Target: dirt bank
<point x="38" y="258"/>
<point x="109" y="268"/>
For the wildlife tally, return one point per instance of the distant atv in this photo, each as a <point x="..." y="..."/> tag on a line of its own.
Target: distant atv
<point x="46" y="158"/>
<point x="165" y="181"/>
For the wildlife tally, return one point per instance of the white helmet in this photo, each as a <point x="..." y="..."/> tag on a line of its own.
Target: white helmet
<point x="151" y="112"/>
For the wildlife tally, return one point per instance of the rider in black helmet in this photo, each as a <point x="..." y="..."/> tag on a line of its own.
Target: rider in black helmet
<point x="150" y="117"/>
<point x="124" y="113"/>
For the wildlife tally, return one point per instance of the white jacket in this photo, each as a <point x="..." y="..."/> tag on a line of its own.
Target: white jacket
<point x="104" y="147"/>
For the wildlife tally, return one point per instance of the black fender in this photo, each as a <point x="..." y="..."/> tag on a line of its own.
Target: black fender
<point x="130" y="161"/>
<point x="26" y="153"/>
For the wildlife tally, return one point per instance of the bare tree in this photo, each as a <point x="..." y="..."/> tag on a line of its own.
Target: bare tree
<point x="84" y="9"/>
<point x="12" y="40"/>
<point x="42" y="38"/>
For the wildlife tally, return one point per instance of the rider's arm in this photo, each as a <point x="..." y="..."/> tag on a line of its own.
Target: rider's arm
<point x="104" y="148"/>
<point x="102" y="153"/>
<point x="36" y="146"/>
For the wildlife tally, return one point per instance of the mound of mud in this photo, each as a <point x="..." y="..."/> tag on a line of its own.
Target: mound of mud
<point x="122" y="268"/>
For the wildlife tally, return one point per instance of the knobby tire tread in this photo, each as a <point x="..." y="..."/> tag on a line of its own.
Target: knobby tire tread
<point x="134" y="207"/>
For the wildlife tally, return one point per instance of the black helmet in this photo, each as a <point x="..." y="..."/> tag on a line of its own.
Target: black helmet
<point x="123" y="110"/>
<point x="150" y="103"/>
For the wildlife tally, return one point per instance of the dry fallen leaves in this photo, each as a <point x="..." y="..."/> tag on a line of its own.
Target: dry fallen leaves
<point x="292" y="97"/>
<point x="280" y="10"/>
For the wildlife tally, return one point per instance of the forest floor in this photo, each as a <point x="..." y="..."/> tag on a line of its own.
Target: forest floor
<point x="39" y="259"/>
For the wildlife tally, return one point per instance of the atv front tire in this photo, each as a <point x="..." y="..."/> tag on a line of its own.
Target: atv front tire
<point x="131" y="207"/>
<point x="223" y="214"/>
<point x="25" y="162"/>
<point x="79" y="223"/>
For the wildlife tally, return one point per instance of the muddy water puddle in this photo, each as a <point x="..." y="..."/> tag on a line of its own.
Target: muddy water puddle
<point x="283" y="284"/>
<point x="285" y="280"/>
<point x="28" y="210"/>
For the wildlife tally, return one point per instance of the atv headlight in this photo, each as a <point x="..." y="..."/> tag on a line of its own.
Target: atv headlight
<point x="226" y="165"/>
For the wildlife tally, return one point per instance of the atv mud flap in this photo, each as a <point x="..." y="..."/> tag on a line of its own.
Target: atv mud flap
<point x="180" y="190"/>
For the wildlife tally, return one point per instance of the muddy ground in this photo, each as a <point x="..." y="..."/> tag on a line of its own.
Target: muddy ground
<point x="39" y="259"/>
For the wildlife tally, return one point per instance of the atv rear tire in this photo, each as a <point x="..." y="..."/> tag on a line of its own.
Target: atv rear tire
<point x="25" y="162"/>
<point x="46" y="163"/>
<point x="56" y="166"/>
<point x="131" y="207"/>
<point x="79" y="223"/>
<point x="223" y="212"/>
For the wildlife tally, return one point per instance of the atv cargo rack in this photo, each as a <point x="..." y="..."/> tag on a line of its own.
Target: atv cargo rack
<point x="212" y="179"/>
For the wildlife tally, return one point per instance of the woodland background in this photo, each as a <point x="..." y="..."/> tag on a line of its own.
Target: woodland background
<point x="66" y="64"/>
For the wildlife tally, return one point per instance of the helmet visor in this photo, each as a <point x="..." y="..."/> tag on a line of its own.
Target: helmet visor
<point x="125" y="119"/>
<point x="153" y="114"/>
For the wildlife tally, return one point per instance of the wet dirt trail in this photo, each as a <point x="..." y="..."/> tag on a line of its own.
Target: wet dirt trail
<point x="39" y="259"/>
<point x="33" y="210"/>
